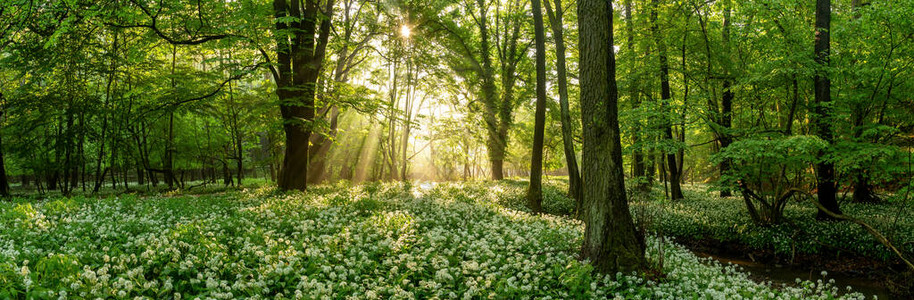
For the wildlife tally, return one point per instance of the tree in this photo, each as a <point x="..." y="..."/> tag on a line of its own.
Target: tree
<point x="472" y="59"/>
<point x="12" y="19"/>
<point x="571" y="163"/>
<point x="610" y="240"/>
<point x="301" y="35"/>
<point x="350" y="47"/>
<point x="638" y="157"/>
<point x="535" y="190"/>
<point x="726" y="102"/>
<point x="825" y="170"/>
<point x="4" y="183"/>
<point x="665" y="97"/>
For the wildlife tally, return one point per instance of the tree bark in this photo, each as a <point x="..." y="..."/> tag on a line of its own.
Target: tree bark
<point x="321" y="149"/>
<point x="726" y="102"/>
<point x="571" y="161"/>
<point x="168" y="167"/>
<point x="4" y="182"/>
<point x="611" y="242"/>
<point x="299" y="61"/>
<point x="638" y="167"/>
<point x="665" y="96"/>
<point x="496" y="142"/>
<point x="535" y="189"/>
<point x="825" y="170"/>
<point x="724" y="137"/>
<point x="347" y="59"/>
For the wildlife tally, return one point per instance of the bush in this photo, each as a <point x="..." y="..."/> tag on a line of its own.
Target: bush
<point x="769" y="171"/>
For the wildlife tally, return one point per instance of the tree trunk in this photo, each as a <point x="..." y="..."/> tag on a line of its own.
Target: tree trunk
<point x="390" y="156"/>
<point x="863" y="191"/>
<point x="535" y="189"/>
<point x="226" y="174"/>
<point x="610" y="240"/>
<point x="724" y="137"/>
<point x="571" y="161"/>
<point x="408" y="115"/>
<point x="496" y="142"/>
<point x="68" y="152"/>
<point x="4" y="182"/>
<point x="237" y="137"/>
<point x="299" y="60"/>
<point x="638" y="167"/>
<point x="168" y="168"/>
<point x="318" y="162"/>
<point x="665" y="96"/>
<point x="825" y="170"/>
<point x="726" y="102"/>
<point x="79" y="173"/>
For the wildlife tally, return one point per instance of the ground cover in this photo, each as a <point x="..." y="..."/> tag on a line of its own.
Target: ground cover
<point x="379" y="241"/>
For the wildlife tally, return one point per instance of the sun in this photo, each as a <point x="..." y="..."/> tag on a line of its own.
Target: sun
<point x="405" y="31"/>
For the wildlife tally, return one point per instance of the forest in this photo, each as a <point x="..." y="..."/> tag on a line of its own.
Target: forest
<point x="456" y="149"/>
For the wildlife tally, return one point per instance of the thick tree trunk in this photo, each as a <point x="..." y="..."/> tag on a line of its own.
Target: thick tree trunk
<point x="226" y="174"/>
<point x="318" y="162"/>
<point x="824" y="170"/>
<point x="535" y="189"/>
<point x="299" y="60"/>
<point x="294" y="171"/>
<point x="863" y="191"/>
<point x="610" y="240"/>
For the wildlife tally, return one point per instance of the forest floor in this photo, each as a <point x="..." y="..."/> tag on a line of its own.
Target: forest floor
<point x="377" y="241"/>
<point x="800" y="247"/>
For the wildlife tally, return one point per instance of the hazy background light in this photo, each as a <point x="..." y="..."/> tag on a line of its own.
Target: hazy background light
<point x="405" y="31"/>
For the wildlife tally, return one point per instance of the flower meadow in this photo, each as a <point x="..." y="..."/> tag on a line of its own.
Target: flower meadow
<point x="378" y="241"/>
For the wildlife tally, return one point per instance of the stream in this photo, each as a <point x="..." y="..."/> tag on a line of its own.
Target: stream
<point x="787" y="275"/>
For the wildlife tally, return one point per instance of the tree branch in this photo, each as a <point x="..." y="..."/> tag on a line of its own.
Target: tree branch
<point x="879" y="237"/>
<point x="218" y="89"/>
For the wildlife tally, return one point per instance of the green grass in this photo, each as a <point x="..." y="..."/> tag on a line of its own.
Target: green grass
<point x="378" y="241"/>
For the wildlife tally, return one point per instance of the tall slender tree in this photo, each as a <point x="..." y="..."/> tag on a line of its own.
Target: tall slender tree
<point x="4" y="182"/>
<point x="825" y="170"/>
<point x="726" y="102"/>
<point x="665" y="97"/>
<point x="610" y="239"/>
<point x="535" y="190"/>
<point x="638" y="167"/>
<point x="556" y="16"/>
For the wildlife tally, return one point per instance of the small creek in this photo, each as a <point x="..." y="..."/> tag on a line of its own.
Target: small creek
<point x="787" y="275"/>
